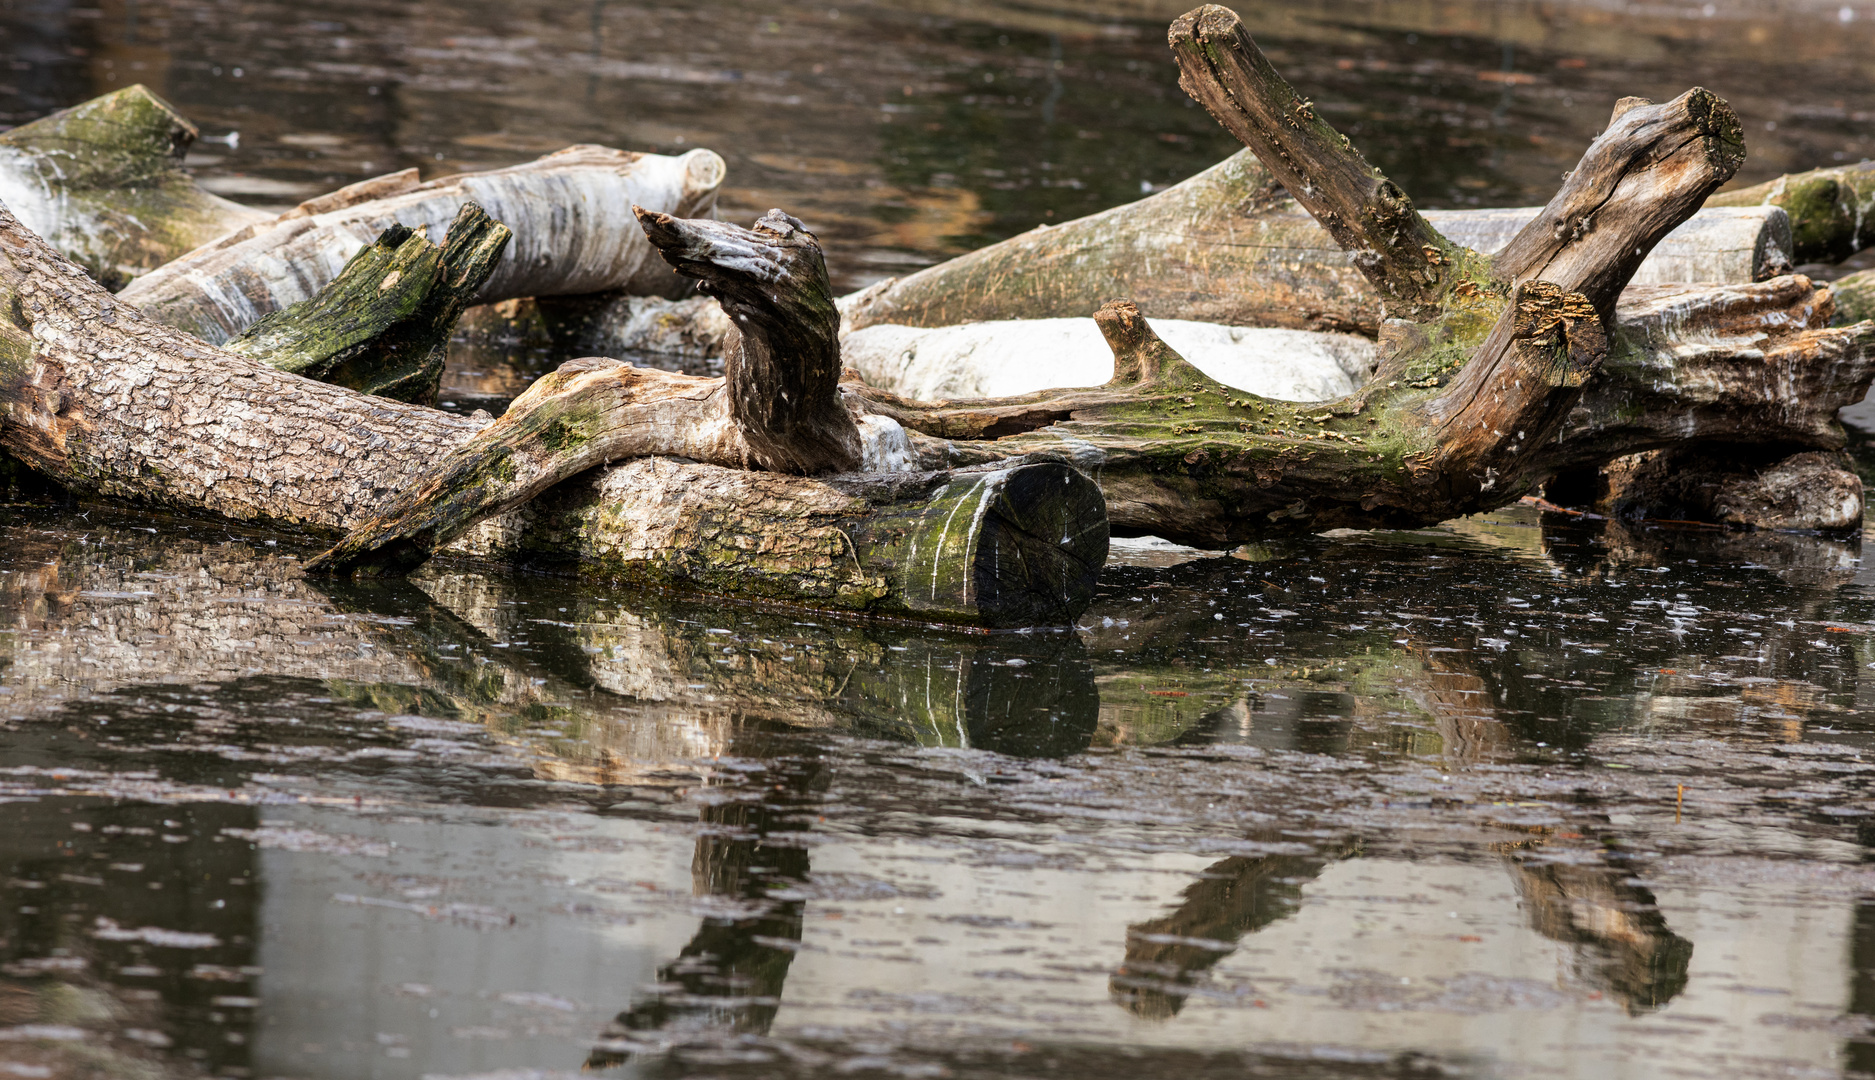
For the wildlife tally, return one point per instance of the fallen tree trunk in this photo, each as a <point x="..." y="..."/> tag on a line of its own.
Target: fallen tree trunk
<point x="564" y="209"/>
<point x="1479" y="368"/>
<point x="1230" y="246"/>
<point x="1004" y="547"/>
<point x="103" y="183"/>
<point x="1481" y="363"/>
<point x="108" y="403"/>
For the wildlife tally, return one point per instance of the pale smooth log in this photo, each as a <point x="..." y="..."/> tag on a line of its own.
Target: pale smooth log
<point x="569" y="213"/>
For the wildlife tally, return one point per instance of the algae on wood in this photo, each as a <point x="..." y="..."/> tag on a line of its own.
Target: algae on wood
<point x="103" y="183"/>
<point x="382" y="326"/>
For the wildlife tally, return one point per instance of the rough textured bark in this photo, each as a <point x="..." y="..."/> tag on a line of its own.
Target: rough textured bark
<point x="1371" y="219"/>
<point x="103" y="183"/>
<point x="383" y="325"/>
<point x="566" y="210"/>
<point x="108" y="403"/>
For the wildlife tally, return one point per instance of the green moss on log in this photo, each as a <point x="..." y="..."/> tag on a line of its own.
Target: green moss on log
<point x="383" y="324"/>
<point x="103" y="182"/>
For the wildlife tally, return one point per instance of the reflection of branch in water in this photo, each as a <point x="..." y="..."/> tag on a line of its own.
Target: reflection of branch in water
<point x="1237" y="896"/>
<point x="727" y="980"/>
<point x="1622" y="943"/>
<point x="1859" y="1054"/>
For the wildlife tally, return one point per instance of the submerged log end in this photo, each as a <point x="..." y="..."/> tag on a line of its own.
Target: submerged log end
<point x="1013" y="547"/>
<point x="1005" y="548"/>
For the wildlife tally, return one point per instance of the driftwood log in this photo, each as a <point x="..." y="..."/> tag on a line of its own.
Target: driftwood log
<point x="103" y="182"/>
<point x="1483" y="359"/>
<point x="1495" y="374"/>
<point x="565" y="210"/>
<point x="109" y="403"/>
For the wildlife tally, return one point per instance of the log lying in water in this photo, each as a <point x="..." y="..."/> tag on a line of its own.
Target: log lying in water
<point x="1007" y="547"/>
<point x="570" y="236"/>
<point x="1477" y="375"/>
<point x="1230" y="246"/>
<point x="103" y="183"/>
<point x="108" y="403"/>
<point x="1828" y="208"/>
<point x="383" y="325"/>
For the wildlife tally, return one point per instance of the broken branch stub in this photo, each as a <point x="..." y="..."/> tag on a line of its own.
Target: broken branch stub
<point x="782" y="358"/>
<point x="382" y="326"/>
<point x="1649" y="171"/>
<point x="103" y="182"/>
<point x="1222" y="68"/>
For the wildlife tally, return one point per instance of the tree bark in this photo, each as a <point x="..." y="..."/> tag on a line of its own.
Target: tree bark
<point x="570" y="236"/>
<point x="383" y="325"/>
<point x="106" y="402"/>
<point x="1828" y="208"/>
<point x="1461" y="415"/>
<point x="1229" y="246"/>
<point x="103" y="183"/>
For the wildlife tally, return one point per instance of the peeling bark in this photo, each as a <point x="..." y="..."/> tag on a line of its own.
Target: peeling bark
<point x="566" y="210"/>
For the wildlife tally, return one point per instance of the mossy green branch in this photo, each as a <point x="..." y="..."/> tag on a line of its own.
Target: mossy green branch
<point x="383" y="324"/>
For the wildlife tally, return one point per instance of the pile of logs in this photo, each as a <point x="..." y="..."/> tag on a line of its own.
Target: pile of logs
<point x="284" y="371"/>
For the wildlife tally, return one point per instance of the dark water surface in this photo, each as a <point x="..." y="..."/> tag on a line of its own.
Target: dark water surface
<point x="1520" y="796"/>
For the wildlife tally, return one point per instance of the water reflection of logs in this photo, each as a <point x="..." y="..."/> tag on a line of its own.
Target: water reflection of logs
<point x="1230" y="899"/>
<point x="627" y="688"/>
<point x="727" y="980"/>
<point x="1621" y="941"/>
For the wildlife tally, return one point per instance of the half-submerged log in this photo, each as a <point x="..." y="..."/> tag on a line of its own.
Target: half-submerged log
<point x="570" y="236"/>
<point x="109" y="403"/>
<point x="1480" y="367"/>
<point x="103" y="183"/>
<point x="1004" y="547"/>
<point x="383" y="325"/>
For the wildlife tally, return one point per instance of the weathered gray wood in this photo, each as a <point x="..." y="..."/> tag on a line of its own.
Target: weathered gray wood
<point x="383" y="325"/>
<point x="103" y="183"/>
<point x="1229" y="246"/>
<point x="1403" y="257"/>
<point x="572" y="235"/>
